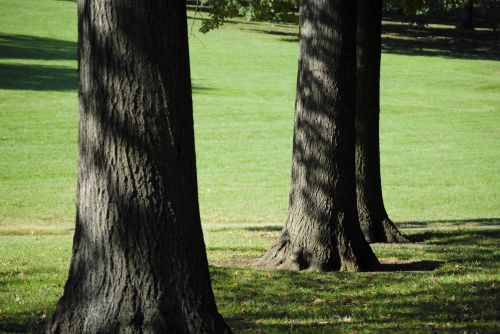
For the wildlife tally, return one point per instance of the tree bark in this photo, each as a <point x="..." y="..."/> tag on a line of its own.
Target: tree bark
<point x="139" y="263"/>
<point x="467" y="16"/>
<point x="373" y="218"/>
<point x="322" y="230"/>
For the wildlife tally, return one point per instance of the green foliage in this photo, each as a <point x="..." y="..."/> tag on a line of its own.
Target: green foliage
<point x="420" y="7"/>
<point x="490" y="9"/>
<point x="253" y="10"/>
<point x="418" y="11"/>
<point x="414" y="11"/>
<point x="220" y="10"/>
<point x="271" y="10"/>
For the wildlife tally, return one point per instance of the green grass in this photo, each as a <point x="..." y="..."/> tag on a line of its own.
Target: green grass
<point x="440" y="123"/>
<point x="440" y="138"/>
<point x="447" y="282"/>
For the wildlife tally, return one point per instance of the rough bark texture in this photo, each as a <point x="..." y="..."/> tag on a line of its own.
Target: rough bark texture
<point x="139" y="263"/>
<point x="374" y="221"/>
<point x="322" y="231"/>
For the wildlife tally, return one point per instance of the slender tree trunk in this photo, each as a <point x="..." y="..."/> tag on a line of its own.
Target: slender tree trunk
<point x="373" y="218"/>
<point x="139" y="263"/>
<point x="466" y="21"/>
<point x="322" y="230"/>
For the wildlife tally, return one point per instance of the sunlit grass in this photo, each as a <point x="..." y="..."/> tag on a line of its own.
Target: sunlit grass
<point x="440" y="138"/>
<point x="439" y="143"/>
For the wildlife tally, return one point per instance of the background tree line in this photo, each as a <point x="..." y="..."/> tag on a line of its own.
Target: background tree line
<point x="465" y="14"/>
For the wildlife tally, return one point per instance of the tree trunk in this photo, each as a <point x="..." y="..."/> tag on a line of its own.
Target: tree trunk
<point x="467" y="16"/>
<point x="322" y="230"/>
<point x="139" y="263"/>
<point x="373" y="218"/>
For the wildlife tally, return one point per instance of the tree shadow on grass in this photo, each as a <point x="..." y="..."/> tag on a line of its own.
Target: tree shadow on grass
<point x="47" y="78"/>
<point x="40" y="77"/>
<point x="301" y="302"/>
<point x="309" y="302"/>
<point x="440" y="41"/>
<point x="30" y="319"/>
<point x="265" y="228"/>
<point x="457" y="237"/>
<point x="454" y="222"/>
<point x="201" y="90"/>
<point x="416" y="266"/>
<point x="37" y="77"/>
<point x="23" y="322"/>
<point x="31" y="47"/>
<point x="427" y="41"/>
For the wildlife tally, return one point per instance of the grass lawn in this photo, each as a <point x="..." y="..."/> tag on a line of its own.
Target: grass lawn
<point x="440" y="138"/>
<point x="449" y="281"/>
<point x="440" y="121"/>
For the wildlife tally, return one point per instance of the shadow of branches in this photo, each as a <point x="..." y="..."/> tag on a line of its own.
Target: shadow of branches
<point x="33" y="47"/>
<point x="399" y="38"/>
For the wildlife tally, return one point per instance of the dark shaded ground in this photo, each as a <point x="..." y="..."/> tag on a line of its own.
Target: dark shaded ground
<point x="42" y="77"/>
<point x="454" y="222"/>
<point x="32" y="47"/>
<point x="397" y="38"/>
<point x="33" y="76"/>
<point x="432" y="300"/>
<point x="455" y="236"/>
<point x="411" y="224"/>
<point x="17" y="325"/>
<point x="415" y="266"/>
<point x="266" y="228"/>
<point x="440" y="41"/>
<point x="455" y="293"/>
<point x="402" y="38"/>
<point x="37" y="77"/>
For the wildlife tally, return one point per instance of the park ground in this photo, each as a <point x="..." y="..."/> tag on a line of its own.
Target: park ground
<point x="440" y="138"/>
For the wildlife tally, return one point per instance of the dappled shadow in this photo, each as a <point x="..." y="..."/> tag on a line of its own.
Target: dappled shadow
<point x="32" y="47"/>
<point x="286" y="35"/>
<point x="136" y="177"/>
<point x="312" y="302"/>
<point x="446" y="42"/>
<point x="31" y="319"/>
<point x="454" y="237"/>
<point x="265" y="228"/>
<point x="426" y="41"/>
<point x="46" y="78"/>
<point x="201" y="90"/>
<point x="321" y="231"/>
<point x="38" y="77"/>
<point x="457" y="222"/>
<point x="201" y="17"/>
<point x="278" y="33"/>
<point x="242" y="249"/>
<point x="411" y="266"/>
<point x="23" y="322"/>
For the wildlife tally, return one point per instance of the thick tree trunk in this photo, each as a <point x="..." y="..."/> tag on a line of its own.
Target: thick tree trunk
<point x="139" y="263"/>
<point x="322" y="230"/>
<point x="373" y="218"/>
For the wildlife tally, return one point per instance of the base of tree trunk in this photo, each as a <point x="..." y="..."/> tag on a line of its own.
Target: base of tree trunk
<point x="285" y="255"/>
<point x="72" y="320"/>
<point x="384" y="232"/>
